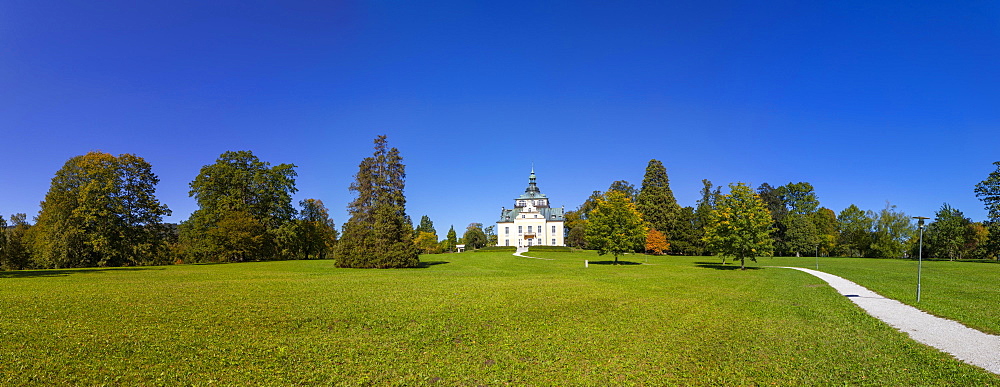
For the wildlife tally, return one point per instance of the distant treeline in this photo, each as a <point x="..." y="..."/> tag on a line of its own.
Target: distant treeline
<point x="800" y="226"/>
<point x="101" y="210"/>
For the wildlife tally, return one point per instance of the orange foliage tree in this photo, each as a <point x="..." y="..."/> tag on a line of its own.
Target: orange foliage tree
<point x="656" y="242"/>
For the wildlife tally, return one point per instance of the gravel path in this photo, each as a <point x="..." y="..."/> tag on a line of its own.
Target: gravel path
<point x="966" y="344"/>
<point x="520" y="253"/>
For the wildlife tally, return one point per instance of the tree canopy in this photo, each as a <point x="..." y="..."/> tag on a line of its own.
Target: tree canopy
<point x="101" y="210"/>
<point x="242" y="202"/>
<point x="740" y="225"/>
<point x="615" y="225"/>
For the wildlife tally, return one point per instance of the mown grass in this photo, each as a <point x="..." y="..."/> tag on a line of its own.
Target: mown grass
<point x="968" y="292"/>
<point x="464" y="319"/>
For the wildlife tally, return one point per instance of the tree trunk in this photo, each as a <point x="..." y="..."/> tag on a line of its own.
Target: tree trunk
<point x="743" y="265"/>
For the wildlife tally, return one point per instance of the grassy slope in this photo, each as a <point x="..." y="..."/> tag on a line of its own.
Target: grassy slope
<point x="961" y="291"/>
<point x="486" y="318"/>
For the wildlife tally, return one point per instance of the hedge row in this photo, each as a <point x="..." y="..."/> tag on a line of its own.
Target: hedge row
<point x="496" y="248"/>
<point x="549" y="248"/>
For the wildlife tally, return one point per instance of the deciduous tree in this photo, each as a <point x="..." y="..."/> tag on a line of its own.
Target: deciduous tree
<point x="615" y="225"/>
<point x="988" y="191"/>
<point x="241" y="194"/>
<point x="740" y="226"/>
<point x="892" y="229"/>
<point x="626" y="188"/>
<point x="656" y="242"/>
<point x="826" y="227"/>
<point x="17" y="251"/>
<point x="427" y="243"/>
<point x="378" y="234"/>
<point x="315" y="229"/>
<point x="854" y="228"/>
<point x="474" y="236"/>
<point x="800" y="234"/>
<point x="101" y="210"/>
<point x="948" y="235"/>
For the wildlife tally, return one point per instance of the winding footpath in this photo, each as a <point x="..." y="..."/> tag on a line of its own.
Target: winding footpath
<point x="520" y="253"/>
<point x="964" y="343"/>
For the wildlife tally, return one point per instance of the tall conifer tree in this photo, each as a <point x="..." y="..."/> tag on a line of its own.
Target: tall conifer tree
<point x="656" y="201"/>
<point x="378" y="234"/>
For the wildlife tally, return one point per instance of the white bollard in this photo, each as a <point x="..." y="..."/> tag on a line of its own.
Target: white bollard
<point x="586" y="263"/>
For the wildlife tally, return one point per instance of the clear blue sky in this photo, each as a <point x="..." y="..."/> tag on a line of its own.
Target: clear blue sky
<point x="868" y="101"/>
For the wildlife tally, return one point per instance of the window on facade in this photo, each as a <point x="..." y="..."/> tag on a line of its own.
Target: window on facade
<point x="553" y="242"/>
<point x="520" y="229"/>
<point x="553" y="229"/>
<point x="522" y="216"/>
<point x="506" y="230"/>
<point x="506" y="242"/>
<point x="529" y="229"/>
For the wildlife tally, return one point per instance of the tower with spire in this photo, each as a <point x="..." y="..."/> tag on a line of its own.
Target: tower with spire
<point x="532" y="221"/>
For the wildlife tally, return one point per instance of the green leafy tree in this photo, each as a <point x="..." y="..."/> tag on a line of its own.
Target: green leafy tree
<point x="687" y="236"/>
<point x="778" y="209"/>
<point x="892" y="230"/>
<point x="474" y="236"/>
<point x="854" y="228"/>
<point x="316" y="231"/>
<point x="800" y="234"/>
<point x="426" y="225"/>
<point x="978" y="242"/>
<point x="589" y="204"/>
<point x="710" y="195"/>
<point x="656" y="201"/>
<point x="16" y="253"/>
<point x="775" y="203"/>
<point x="740" y="226"/>
<point x="615" y="226"/>
<point x="826" y="227"/>
<point x="427" y="243"/>
<point x="3" y="244"/>
<point x="238" y="188"/>
<point x="101" y="210"/>
<point x="799" y="198"/>
<point x="452" y="239"/>
<point x="379" y="233"/>
<point x="988" y="191"/>
<point x="948" y="236"/>
<point x="626" y="188"/>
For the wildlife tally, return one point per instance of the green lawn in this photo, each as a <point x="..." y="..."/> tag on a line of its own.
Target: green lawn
<point x="464" y="319"/>
<point x="968" y="292"/>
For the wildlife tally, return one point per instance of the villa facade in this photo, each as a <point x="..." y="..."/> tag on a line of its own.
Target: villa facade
<point x="532" y="221"/>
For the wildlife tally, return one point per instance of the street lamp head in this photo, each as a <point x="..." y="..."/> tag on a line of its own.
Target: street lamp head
<point x="920" y="220"/>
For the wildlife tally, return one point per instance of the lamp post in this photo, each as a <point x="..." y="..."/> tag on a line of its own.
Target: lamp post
<point x="920" y="251"/>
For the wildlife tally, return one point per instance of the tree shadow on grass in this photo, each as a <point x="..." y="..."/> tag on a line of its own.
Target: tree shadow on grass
<point x="721" y="266"/>
<point x="67" y="272"/>
<point x="620" y="262"/>
<point x="426" y="264"/>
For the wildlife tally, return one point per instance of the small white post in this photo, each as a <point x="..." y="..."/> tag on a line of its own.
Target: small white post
<point x="586" y="263"/>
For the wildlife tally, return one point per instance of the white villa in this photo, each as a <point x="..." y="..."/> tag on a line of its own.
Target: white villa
<point x="531" y="222"/>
